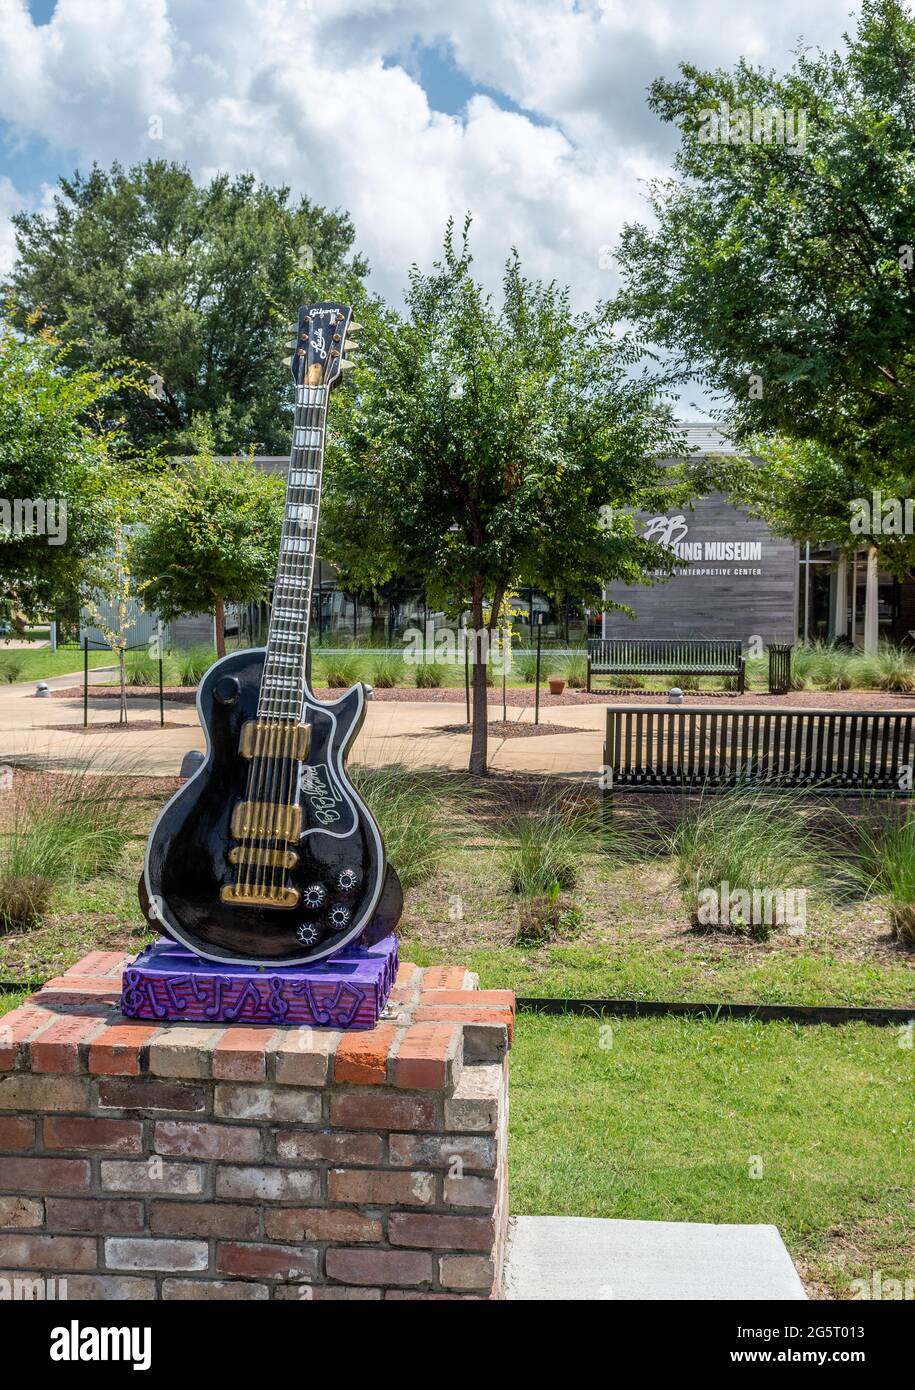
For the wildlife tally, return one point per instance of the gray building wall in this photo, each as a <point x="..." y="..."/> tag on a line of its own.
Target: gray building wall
<point x="716" y="596"/>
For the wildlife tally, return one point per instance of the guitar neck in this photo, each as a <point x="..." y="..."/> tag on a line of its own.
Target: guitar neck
<point x="283" y="683"/>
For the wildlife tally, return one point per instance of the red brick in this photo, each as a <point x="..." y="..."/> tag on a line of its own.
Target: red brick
<point x="16" y="1133"/>
<point x="16" y="1027"/>
<point x="204" y="1219"/>
<point x="362" y="1057"/>
<point x="241" y="1054"/>
<point x="284" y="1104"/>
<point x="146" y="1094"/>
<point x="87" y="1132"/>
<point x="47" y="1252"/>
<point x="267" y="1261"/>
<point x="441" y="1232"/>
<point x="422" y="1058"/>
<point x="318" y="1223"/>
<point x="183" y="1051"/>
<point x="368" y="1111"/>
<point x="139" y="1252"/>
<point x="325" y="1293"/>
<point x="466" y="1272"/>
<point x="19" y="1212"/>
<point x="368" y="1187"/>
<point x="24" y="1093"/>
<point x="406" y="972"/>
<point x="214" y="1290"/>
<point x="269" y="1184"/>
<point x="475" y="1152"/>
<point x="468" y="1191"/>
<point x="445" y="977"/>
<point x="458" y="1013"/>
<point x="303" y="1057"/>
<point x="379" y="1266"/>
<point x="56" y="1049"/>
<point x="99" y="963"/>
<point x="94" y="1214"/>
<point x="110" y="1288"/>
<point x="116" y="1051"/>
<point x="44" y="1175"/>
<point x="310" y="1146"/>
<point x="194" y="1139"/>
<point x="474" y="998"/>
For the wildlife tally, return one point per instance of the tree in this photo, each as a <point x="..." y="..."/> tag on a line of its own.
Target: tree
<point x="780" y="271"/>
<point x="200" y="283"/>
<point x="211" y="536"/>
<point x="113" y="582"/>
<point x="58" y="465"/>
<point x="485" y="447"/>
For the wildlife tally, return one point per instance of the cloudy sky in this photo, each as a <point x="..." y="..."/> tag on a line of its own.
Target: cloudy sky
<point x="529" y="113"/>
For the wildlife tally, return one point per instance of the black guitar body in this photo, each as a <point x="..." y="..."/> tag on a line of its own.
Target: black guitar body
<point x="342" y="888"/>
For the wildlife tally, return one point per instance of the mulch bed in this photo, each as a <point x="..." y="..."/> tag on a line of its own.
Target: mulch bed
<point x="511" y="728"/>
<point x="116" y="724"/>
<point x="524" y="698"/>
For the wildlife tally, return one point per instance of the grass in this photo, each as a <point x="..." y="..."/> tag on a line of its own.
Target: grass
<point x="339" y="672"/>
<point x="750" y="841"/>
<point x="888" y="865"/>
<point x="406" y="804"/>
<point x="41" y="664"/>
<point x="667" y="1119"/>
<point x="193" y="665"/>
<point x="77" y="835"/>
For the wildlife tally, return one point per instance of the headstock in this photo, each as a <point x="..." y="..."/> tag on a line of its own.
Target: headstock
<point x="323" y="332"/>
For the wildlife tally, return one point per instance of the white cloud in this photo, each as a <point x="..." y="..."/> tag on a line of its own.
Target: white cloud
<point x="300" y="94"/>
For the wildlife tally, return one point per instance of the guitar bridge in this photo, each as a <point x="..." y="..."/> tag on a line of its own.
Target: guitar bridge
<point x="263" y="858"/>
<point x="263" y="895"/>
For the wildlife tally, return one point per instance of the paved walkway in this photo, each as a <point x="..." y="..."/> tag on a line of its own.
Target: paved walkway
<point x="414" y="733"/>
<point x="560" y="1258"/>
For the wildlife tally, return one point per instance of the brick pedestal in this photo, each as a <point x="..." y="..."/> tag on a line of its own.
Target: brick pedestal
<point x="205" y="1161"/>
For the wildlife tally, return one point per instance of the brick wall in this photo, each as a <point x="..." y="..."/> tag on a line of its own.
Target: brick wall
<point x="187" y="1162"/>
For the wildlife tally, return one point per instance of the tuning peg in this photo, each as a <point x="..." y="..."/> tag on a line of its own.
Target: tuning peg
<point x="287" y="361"/>
<point x="346" y="366"/>
<point x="354" y="327"/>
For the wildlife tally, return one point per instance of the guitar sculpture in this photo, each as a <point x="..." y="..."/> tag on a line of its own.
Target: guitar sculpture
<point x="268" y="854"/>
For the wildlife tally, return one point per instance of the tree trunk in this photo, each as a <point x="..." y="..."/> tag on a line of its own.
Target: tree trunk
<point x="479" y="730"/>
<point x="219" y="615"/>
<point x="122" y="670"/>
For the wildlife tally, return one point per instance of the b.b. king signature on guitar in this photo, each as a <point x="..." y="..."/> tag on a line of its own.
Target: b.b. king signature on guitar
<point x="318" y="789"/>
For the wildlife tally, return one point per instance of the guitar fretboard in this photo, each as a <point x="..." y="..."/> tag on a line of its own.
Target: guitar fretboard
<point x="283" y="682"/>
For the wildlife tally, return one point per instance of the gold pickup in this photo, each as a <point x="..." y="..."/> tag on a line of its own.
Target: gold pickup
<point x="265" y="820"/>
<point x="248" y="895"/>
<point x="274" y="738"/>
<point x="263" y="858"/>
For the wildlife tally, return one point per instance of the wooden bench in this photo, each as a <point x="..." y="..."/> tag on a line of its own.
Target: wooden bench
<point x="666" y="656"/>
<point x="848" y="752"/>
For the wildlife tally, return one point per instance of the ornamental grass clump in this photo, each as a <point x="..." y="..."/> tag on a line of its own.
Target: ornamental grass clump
<point x="386" y="671"/>
<point x="747" y="861"/>
<point x="194" y="664"/>
<point x="407" y="804"/>
<point x="73" y="837"/>
<point x="887" y="868"/>
<point x="340" y="672"/>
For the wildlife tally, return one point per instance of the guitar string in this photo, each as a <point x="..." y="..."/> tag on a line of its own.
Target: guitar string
<point x="278" y="699"/>
<point x="268" y="703"/>
<point x="296" y="568"/>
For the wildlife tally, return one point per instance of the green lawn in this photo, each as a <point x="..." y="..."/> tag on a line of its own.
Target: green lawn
<point x="668" y="1119"/>
<point x="38" y="663"/>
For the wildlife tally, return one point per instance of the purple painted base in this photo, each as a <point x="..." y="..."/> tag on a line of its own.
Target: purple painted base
<point x="169" y="984"/>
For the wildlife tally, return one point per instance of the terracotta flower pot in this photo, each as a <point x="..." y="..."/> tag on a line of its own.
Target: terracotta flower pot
<point x="557" y="685"/>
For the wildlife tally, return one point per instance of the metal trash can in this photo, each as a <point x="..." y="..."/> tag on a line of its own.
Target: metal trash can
<point x="780" y="667"/>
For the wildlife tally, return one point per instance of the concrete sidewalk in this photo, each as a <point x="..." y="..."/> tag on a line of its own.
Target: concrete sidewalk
<point x="577" y="1258"/>
<point x="413" y="732"/>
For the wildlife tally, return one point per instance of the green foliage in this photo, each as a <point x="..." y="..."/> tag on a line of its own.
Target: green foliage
<point x="547" y="844"/>
<point x="888" y="867"/>
<point x="141" y="668"/>
<point x="482" y="442"/>
<point x="53" y="449"/>
<point x="386" y="671"/>
<point x="576" y="671"/>
<point x="828" y="330"/>
<point x="202" y="283"/>
<point x="11" y="667"/>
<point x="211" y="535"/>
<point x="340" y="672"/>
